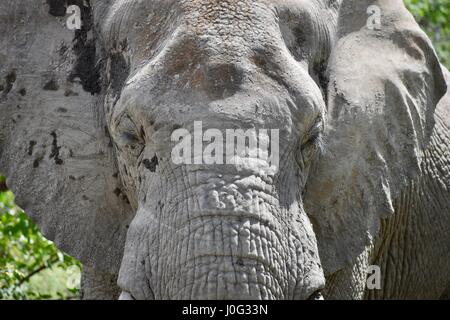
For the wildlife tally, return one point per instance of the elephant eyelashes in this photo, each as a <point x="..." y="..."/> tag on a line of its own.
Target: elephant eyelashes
<point x="307" y="151"/>
<point x="310" y="148"/>
<point x="314" y="140"/>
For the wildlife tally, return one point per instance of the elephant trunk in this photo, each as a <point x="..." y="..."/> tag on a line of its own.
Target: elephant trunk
<point x="223" y="236"/>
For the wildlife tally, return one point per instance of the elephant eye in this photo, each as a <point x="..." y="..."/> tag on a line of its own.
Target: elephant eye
<point x="126" y="129"/>
<point x="127" y="137"/>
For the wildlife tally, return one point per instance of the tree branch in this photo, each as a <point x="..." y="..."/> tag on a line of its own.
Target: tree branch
<point x="27" y="277"/>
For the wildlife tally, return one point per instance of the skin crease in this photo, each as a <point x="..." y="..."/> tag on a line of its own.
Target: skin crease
<point x="364" y="149"/>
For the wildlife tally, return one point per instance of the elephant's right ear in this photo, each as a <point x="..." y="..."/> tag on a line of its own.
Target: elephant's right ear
<point x="384" y="84"/>
<point x="53" y="145"/>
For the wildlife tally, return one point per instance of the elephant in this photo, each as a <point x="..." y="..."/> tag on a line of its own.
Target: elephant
<point x="354" y="89"/>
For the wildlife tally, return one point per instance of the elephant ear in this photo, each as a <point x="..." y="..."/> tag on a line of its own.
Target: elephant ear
<point x="384" y="84"/>
<point x="53" y="146"/>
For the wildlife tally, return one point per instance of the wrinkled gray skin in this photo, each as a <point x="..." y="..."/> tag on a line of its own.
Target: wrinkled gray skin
<point x="364" y="176"/>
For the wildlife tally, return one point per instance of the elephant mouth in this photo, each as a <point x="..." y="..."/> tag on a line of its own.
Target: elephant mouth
<point x="317" y="295"/>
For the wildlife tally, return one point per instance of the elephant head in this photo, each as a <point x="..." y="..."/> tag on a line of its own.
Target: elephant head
<point x="88" y="117"/>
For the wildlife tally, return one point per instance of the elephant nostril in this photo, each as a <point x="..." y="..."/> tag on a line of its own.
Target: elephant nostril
<point x="317" y="295"/>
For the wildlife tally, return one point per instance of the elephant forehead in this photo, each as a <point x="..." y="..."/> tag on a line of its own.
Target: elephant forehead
<point x="240" y="17"/>
<point x="203" y="12"/>
<point x="226" y="20"/>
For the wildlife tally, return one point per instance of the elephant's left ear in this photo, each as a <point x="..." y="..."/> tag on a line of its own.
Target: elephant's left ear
<point x="384" y="84"/>
<point x="54" y="149"/>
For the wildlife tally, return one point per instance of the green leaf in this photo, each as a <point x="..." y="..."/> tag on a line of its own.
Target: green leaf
<point x="31" y="267"/>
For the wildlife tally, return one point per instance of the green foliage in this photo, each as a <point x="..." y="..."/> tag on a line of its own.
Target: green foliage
<point x="31" y="267"/>
<point x="433" y="16"/>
